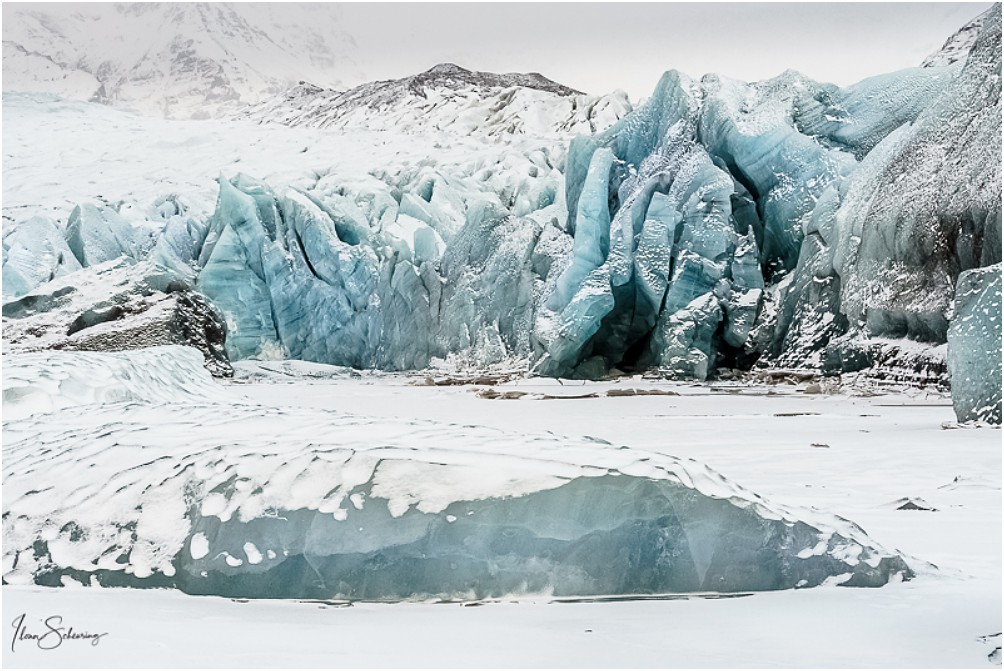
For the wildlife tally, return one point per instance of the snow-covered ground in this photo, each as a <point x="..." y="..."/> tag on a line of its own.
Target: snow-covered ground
<point x="908" y="626"/>
<point x="854" y="455"/>
<point x="59" y="153"/>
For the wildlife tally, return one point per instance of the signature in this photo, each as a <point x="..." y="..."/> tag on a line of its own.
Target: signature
<point x="52" y="636"/>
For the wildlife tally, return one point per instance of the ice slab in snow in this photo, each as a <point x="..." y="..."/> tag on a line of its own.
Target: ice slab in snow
<point x="178" y="489"/>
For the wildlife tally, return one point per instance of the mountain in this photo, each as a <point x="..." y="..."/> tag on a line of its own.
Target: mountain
<point x="178" y="60"/>
<point x="447" y="97"/>
<point x="207" y="60"/>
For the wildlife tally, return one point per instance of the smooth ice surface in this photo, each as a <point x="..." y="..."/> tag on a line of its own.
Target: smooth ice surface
<point x="196" y="491"/>
<point x="765" y="630"/>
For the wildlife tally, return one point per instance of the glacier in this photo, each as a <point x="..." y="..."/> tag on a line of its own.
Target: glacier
<point x="190" y="487"/>
<point x="820" y="255"/>
<point x="685" y="218"/>
<point x="720" y="225"/>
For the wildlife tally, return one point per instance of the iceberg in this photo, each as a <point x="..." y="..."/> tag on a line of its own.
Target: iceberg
<point x="974" y="346"/>
<point x="190" y="488"/>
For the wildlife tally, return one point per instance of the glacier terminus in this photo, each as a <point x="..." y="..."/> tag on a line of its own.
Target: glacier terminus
<point x="718" y="226"/>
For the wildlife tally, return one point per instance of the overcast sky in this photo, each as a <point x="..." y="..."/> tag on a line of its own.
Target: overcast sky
<point x="605" y="46"/>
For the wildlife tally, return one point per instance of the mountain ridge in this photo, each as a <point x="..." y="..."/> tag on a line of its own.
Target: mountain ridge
<point x="174" y="60"/>
<point x="446" y="96"/>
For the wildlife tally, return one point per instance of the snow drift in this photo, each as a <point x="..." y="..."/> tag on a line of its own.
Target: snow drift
<point x="50" y="382"/>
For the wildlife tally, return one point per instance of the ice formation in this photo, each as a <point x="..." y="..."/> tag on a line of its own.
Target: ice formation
<point x="725" y="222"/>
<point x="34" y="253"/>
<point x="974" y="346"/>
<point x="721" y="224"/>
<point x="176" y="486"/>
<point x="927" y="205"/>
<point x="832" y="197"/>
<point x="308" y="277"/>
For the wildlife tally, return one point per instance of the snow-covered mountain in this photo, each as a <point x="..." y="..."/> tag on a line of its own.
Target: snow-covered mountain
<point x="448" y="97"/>
<point x="199" y="60"/>
<point x="174" y="59"/>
